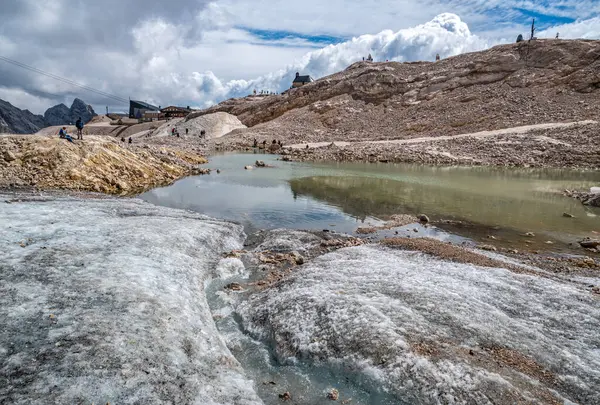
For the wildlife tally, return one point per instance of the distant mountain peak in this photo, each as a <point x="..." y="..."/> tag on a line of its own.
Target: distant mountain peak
<point x="62" y="115"/>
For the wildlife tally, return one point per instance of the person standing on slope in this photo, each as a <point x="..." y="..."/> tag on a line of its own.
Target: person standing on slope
<point x="79" y="126"/>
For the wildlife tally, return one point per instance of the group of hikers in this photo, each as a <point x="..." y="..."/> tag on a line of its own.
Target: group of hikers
<point x="264" y="143"/>
<point x="175" y="132"/>
<point x="62" y="133"/>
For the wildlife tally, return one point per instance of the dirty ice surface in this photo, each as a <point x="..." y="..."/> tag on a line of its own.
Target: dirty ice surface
<point x="434" y="332"/>
<point x="102" y="301"/>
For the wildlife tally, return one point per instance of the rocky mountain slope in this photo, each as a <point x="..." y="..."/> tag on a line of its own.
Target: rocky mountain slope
<point x="15" y="120"/>
<point x="506" y="86"/>
<point x="63" y="115"/>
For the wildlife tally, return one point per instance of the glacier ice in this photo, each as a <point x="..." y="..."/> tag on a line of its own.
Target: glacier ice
<point x="435" y="332"/>
<point x="102" y="301"/>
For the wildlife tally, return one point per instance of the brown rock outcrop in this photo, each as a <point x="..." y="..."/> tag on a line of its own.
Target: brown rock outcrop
<point x="506" y="86"/>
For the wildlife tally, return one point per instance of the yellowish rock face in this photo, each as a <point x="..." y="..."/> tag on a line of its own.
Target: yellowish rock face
<point x="98" y="164"/>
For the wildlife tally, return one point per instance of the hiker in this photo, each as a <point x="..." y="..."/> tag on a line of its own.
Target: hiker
<point x="177" y="134"/>
<point x="130" y="140"/>
<point x="123" y="139"/>
<point x="173" y="131"/>
<point x="255" y="143"/>
<point x="203" y="134"/>
<point x="437" y="57"/>
<point x="79" y="126"/>
<point x="264" y="144"/>
<point x="557" y="35"/>
<point x="274" y="142"/>
<point x="187" y="130"/>
<point x="62" y="134"/>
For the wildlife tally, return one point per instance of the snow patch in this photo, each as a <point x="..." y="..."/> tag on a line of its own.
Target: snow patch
<point x="407" y="322"/>
<point x="102" y="301"/>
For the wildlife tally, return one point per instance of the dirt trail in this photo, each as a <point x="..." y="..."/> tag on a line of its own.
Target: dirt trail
<point x="477" y="135"/>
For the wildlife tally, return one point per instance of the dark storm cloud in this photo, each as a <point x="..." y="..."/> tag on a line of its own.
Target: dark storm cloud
<point x="83" y="24"/>
<point x="68" y="37"/>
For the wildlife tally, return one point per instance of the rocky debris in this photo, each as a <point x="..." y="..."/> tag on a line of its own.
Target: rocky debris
<point x="450" y="252"/>
<point x="9" y="156"/>
<point x="586" y="198"/>
<point x="199" y="171"/>
<point x="341" y="243"/>
<point x="395" y="221"/>
<point x="98" y="164"/>
<point x="488" y="248"/>
<point x="248" y="167"/>
<point x="333" y="394"/>
<point x="260" y="163"/>
<point x="286" y="396"/>
<point x="63" y="115"/>
<point x="530" y="235"/>
<point x="502" y="87"/>
<point x="567" y="215"/>
<point x="16" y="121"/>
<point x="298" y="258"/>
<point x="574" y="147"/>
<point x="589" y="243"/>
<point x="234" y="287"/>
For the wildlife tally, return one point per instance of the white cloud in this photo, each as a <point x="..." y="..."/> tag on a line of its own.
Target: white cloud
<point x="587" y="29"/>
<point x="446" y="34"/>
<point x="198" y="52"/>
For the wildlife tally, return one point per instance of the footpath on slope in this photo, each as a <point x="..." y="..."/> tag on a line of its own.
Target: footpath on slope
<point x="572" y="145"/>
<point x="476" y="135"/>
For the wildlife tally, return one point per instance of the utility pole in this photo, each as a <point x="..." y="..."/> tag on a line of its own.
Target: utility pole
<point x="533" y="29"/>
<point x="106" y="110"/>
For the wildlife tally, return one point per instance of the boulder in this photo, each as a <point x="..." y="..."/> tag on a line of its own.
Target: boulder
<point x="9" y="156"/>
<point x="589" y="243"/>
<point x="260" y="163"/>
<point x="248" y="167"/>
<point x="333" y="395"/>
<point x="423" y="218"/>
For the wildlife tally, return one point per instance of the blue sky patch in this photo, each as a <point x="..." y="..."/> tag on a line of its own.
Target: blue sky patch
<point x="276" y="35"/>
<point x="543" y="21"/>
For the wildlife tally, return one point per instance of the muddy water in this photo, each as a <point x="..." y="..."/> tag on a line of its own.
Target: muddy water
<point x="501" y="203"/>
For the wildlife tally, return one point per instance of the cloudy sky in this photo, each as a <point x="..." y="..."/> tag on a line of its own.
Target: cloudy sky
<point x="197" y="52"/>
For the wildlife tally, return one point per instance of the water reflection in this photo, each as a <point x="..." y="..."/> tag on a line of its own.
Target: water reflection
<point x="497" y="201"/>
<point x="342" y="196"/>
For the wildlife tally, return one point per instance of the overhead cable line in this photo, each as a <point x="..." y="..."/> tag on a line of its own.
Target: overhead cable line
<point x="64" y="80"/>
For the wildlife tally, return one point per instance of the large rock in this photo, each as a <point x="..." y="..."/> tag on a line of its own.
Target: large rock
<point x="62" y="115"/>
<point x="16" y="121"/>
